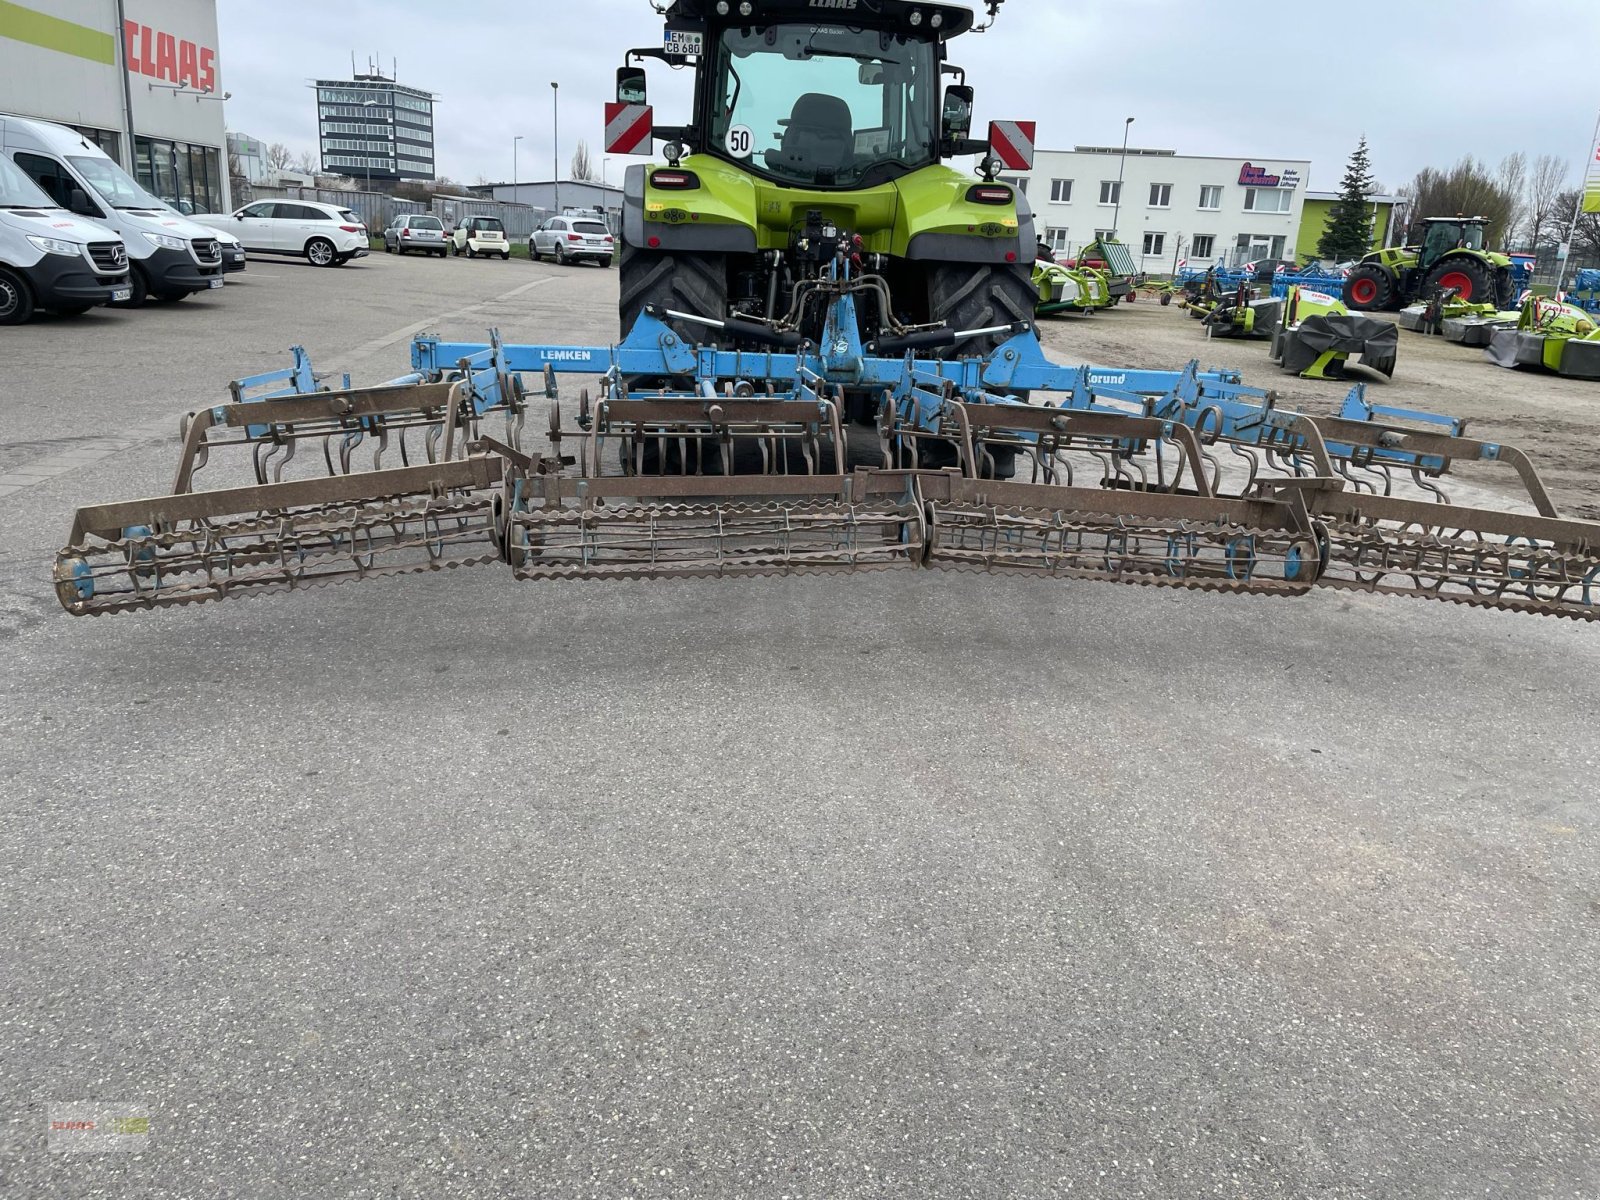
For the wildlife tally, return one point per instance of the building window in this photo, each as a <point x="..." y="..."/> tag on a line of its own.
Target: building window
<point x="1160" y="195"/>
<point x="1211" y="197"/>
<point x="109" y="142"/>
<point x="1252" y="247"/>
<point x="1056" y="239"/>
<point x="1204" y="244"/>
<point x="1061" y="191"/>
<point x="1104" y="235"/>
<point x="1110" y="191"/>
<point x="1019" y="182"/>
<point x="1267" y="200"/>
<point x="187" y="177"/>
<point x="1155" y="243"/>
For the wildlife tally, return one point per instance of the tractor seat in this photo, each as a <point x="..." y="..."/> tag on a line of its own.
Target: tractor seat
<point x="818" y="134"/>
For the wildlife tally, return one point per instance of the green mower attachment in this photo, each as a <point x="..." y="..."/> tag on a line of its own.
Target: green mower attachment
<point x="1318" y="334"/>
<point x="1549" y="334"/>
<point x="1068" y="290"/>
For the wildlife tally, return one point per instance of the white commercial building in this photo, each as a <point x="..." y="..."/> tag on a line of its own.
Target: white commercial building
<point x="1173" y="207"/>
<point x="142" y="79"/>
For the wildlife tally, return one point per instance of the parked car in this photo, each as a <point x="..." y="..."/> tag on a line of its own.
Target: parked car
<point x="325" y="235"/>
<point x="169" y="256"/>
<point x="480" y="235"/>
<point x="572" y="239"/>
<point x="415" y="231"/>
<point x="51" y="259"/>
<point x="233" y="255"/>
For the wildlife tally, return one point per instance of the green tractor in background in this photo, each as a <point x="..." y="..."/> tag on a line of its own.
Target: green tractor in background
<point x="1447" y="252"/>
<point x="819" y="127"/>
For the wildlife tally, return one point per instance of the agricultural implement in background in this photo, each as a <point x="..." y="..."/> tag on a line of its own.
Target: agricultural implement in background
<point x="1312" y="333"/>
<point x="1585" y="290"/>
<point x="1446" y="314"/>
<point x="1115" y="260"/>
<point x="1549" y="334"/>
<point x="1069" y="290"/>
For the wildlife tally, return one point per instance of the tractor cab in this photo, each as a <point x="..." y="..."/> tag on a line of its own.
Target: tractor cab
<point x="1441" y="235"/>
<point x="816" y="159"/>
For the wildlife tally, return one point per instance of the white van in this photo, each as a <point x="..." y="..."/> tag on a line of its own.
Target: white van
<point x="169" y="256"/>
<point x="50" y="259"/>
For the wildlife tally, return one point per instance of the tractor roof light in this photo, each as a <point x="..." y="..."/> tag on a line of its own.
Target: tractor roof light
<point x="916" y="17"/>
<point x="722" y="8"/>
<point x="936" y="20"/>
<point x="746" y="8"/>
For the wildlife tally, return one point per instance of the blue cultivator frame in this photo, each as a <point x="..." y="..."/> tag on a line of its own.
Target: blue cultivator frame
<point x="696" y="459"/>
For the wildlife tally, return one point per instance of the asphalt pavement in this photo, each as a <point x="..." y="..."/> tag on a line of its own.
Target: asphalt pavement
<point x="920" y="885"/>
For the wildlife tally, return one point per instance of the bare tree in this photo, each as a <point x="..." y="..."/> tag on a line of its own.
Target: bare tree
<point x="308" y="163"/>
<point x="279" y="157"/>
<point x="1467" y="188"/>
<point x="1586" y="233"/>
<point x="1546" y="223"/>
<point x="583" y="164"/>
<point x="1513" y="178"/>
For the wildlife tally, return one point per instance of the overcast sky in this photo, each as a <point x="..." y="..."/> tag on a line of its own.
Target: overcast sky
<point x="1254" y="78"/>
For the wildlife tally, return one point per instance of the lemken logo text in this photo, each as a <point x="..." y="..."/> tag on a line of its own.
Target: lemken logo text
<point x="848" y="5"/>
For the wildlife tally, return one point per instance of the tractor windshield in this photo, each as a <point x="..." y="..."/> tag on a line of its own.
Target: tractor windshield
<point x="819" y="106"/>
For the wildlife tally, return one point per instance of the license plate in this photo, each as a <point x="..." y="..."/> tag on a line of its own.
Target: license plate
<point x="215" y="283"/>
<point x="121" y="294"/>
<point x="683" y="41"/>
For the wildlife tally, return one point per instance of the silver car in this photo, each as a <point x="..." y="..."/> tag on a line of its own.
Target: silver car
<point x="415" y="231"/>
<point x="572" y="239"/>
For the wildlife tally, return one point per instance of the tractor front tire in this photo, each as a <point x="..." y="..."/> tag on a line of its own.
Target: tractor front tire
<point x="1472" y="280"/>
<point x="980" y="295"/>
<point x="1369" y="289"/>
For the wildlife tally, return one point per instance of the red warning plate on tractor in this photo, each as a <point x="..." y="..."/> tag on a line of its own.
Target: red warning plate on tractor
<point x="1012" y="143"/>
<point x="628" y="128"/>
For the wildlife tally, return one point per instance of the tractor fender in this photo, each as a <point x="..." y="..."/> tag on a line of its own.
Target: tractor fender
<point x="710" y="237"/>
<point x="957" y="247"/>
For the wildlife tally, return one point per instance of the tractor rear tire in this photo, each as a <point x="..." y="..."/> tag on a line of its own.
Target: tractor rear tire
<point x="690" y="283"/>
<point x="1473" y="281"/>
<point x="978" y="295"/>
<point x="1369" y="289"/>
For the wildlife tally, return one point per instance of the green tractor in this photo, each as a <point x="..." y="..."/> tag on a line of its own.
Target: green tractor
<point x="1448" y="253"/>
<point x="819" y="126"/>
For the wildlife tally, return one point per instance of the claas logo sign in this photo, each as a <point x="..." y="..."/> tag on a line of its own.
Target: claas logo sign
<point x="165" y="56"/>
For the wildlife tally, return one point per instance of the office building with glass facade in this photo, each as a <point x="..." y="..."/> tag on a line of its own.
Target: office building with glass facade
<point x="373" y="128"/>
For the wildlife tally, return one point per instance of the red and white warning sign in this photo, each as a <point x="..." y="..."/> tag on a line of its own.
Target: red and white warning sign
<point x="627" y="128"/>
<point x="1012" y="143"/>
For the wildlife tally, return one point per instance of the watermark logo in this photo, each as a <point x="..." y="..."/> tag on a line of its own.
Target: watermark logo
<point x="97" y="1127"/>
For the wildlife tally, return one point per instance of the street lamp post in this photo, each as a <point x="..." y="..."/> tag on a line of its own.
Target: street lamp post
<point x="555" y="139"/>
<point x="1122" y="163"/>
<point x="514" y="142"/>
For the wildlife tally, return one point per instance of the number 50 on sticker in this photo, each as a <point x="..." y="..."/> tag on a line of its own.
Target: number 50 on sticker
<point x="740" y="142"/>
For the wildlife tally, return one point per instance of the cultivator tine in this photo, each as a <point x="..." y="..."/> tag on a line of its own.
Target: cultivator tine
<point x="682" y="511"/>
<point x="273" y="537"/>
<point x="1126" y="530"/>
<point x="1473" y="556"/>
<point x="337" y="423"/>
